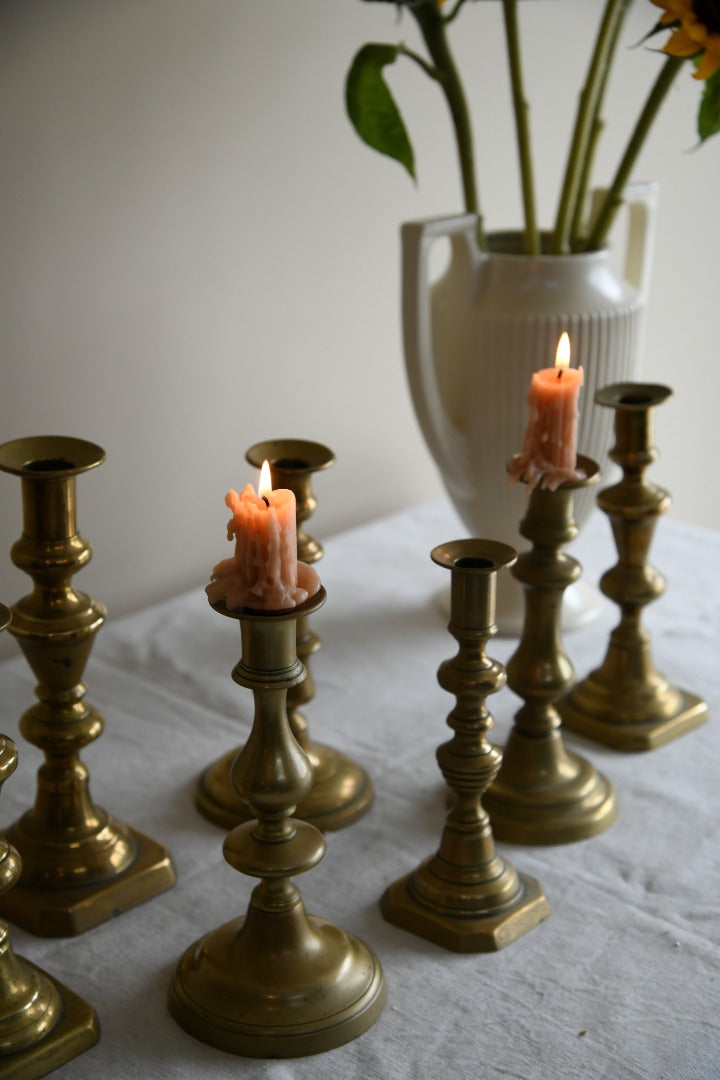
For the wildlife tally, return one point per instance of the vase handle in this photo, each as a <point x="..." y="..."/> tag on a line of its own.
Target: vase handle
<point x="641" y="199"/>
<point x="417" y="239"/>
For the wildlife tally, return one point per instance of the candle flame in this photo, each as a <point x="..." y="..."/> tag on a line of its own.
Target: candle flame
<point x="265" y="481"/>
<point x="562" y="356"/>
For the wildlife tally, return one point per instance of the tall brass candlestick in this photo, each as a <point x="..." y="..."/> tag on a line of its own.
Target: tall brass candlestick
<point x="42" y="1023"/>
<point x="626" y="703"/>
<point x="80" y="866"/>
<point x="276" y="983"/>
<point x="466" y="897"/>
<point x="543" y="793"/>
<point x="341" y="791"/>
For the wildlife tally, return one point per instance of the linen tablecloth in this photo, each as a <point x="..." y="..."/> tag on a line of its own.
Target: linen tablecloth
<point x="622" y="982"/>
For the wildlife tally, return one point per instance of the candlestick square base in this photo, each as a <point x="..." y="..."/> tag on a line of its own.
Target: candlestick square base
<point x="608" y="726"/>
<point x="460" y="930"/>
<point x="74" y="1033"/>
<point x="66" y="912"/>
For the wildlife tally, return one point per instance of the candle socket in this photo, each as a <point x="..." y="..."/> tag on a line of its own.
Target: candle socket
<point x="543" y="793"/>
<point x="626" y="703"/>
<point x="42" y="1023"/>
<point x="466" y="897"/>
<point x="341" y="791"/>
<point x="80" y="867"/>
<point x="276" y="983"/>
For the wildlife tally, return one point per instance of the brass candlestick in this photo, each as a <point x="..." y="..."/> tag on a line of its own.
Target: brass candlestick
<point x="626" y="703"/>
<point x="543" y="793"/>
<point x="80" y="866"/>
<point x="466" y="897"/>
<point x="42" y="1023"/>
<point x="341" y="791"/>
<point x="275" y="983"/>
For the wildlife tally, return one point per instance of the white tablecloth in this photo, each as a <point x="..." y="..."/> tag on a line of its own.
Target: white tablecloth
<point x="621" y="982"/>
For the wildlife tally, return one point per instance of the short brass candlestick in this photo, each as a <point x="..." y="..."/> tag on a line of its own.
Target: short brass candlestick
<point x="626" y="703"/>
<point x="466" y="897"/>
<point x="80" y="866"/>
<point x="543" y="793"/>
<point x="276" y="983"/>
<point x="42" y="1023"/>
<point x="341" y="791"/>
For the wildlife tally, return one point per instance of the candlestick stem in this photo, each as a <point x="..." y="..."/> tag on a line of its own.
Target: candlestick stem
<point x="43" y="1024"/>
<point x="80" y="866"/>
<point x="341" y="790"/>
<point x="544" y="793"/>
<point x="625" y="702"/>
<point x="276" y="983"/>
<point x="467" y="897"/>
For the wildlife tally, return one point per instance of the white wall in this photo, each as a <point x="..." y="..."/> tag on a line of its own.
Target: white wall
<point x="197" y="252"/>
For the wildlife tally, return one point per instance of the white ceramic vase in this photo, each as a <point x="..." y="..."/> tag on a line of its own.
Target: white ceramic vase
<point x="473" y="338"/>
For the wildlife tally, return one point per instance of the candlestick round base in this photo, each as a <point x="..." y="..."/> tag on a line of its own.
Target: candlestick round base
<point x="341" y="791"/>
<point x="545" y="794"/>
<point x="277" y="985"/>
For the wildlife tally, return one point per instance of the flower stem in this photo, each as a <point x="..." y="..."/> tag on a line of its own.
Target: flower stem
<point x="532" y="238"/>
<point x="614" y="197"/>
<point x="432" y="26"/>
<point x="586" y="121"/>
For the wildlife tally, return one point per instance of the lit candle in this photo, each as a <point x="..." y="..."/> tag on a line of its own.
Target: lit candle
<point x="264" y="571"/>
<point x="549" y="450"/>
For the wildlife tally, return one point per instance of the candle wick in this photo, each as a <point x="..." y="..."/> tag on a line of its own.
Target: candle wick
<point x="560" y="371"/>
<point x="265" y="500"/>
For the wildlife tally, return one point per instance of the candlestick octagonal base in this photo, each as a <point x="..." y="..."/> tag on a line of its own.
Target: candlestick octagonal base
<point x="594" y="710"/>
<point x="75" y="1032"/>
<point x="64" y="910"/>
<point x="460" y="917"/>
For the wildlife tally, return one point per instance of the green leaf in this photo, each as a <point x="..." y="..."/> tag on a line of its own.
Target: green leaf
<point x="708" y="120"/>
<point x="371" y="107"/>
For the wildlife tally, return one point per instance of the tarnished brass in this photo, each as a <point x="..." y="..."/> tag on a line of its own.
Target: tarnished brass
<point x="626" y="703"/>
<point x="466" y="897"/>
<point x="543" y="793"/>
<point x="42" y="1023"/>
<point x="276" y="983"/>
<point x="80" y="866"/>
<point x="341" y="791"/>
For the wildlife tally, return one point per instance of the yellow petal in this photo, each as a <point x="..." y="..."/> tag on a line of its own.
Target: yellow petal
<point x="681" y="44"/>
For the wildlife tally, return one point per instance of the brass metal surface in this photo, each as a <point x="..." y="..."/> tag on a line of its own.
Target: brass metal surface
<point x="341" y="790"/>
<point x="276" y="982"/>
<point x="626" y="702"/>
<point x="466" y="897"/>
<point x="80" y="866"/>
<point x="42" y="1023"/>
<point x="544" y="793"/>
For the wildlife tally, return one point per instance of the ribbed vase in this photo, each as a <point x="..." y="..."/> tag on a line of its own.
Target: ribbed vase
<point x="474" y="337"/>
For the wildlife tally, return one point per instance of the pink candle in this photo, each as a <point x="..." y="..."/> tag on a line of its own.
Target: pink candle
<point x="549" y="450"/>
<point x="264" y="571"/>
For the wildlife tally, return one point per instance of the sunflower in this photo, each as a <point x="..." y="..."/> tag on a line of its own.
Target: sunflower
<point x="696" y="25"/>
